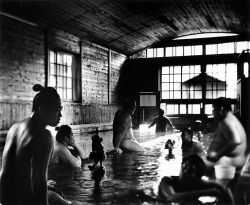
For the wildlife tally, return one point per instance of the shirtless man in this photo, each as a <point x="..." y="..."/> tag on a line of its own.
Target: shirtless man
<point x="28" y="147"/>
<point x="66" y="150"/>
<point x="161" y="122"/>
<point x="122" y="129"/>
<point x="229" y="143"/>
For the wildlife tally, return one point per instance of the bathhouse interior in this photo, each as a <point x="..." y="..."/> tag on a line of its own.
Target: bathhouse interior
<point x="174" y="55"/>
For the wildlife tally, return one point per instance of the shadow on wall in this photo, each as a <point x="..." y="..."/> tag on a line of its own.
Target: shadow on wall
<point x="136" y="76"/>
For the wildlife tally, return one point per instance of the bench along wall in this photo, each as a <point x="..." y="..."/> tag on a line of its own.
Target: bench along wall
<point x="23" y="60"/>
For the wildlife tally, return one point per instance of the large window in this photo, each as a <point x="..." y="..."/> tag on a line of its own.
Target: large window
<point x="190" y="89"/>
<point x="60" y="74"/>
<point x="181" y="82"/>
<point x="189" y="83"/>
<point x="176" y="109"/>
<point x="221" y="81"/>
<point x="195" y="50"/>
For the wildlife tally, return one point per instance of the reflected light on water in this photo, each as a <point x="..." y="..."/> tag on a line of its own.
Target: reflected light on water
<point x="144" y="128"/>
<point x="126" y="173"/>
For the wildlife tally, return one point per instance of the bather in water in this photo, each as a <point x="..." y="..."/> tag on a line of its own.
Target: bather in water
<point x="189" y="185"/>
<point x="189" y="145"/>
<point x="122" y="127"/>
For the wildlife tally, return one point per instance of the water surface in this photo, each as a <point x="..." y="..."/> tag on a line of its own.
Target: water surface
<point x="125" y="173"/>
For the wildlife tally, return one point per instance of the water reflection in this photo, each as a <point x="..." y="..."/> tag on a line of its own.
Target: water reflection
<point x="125" y="174"/>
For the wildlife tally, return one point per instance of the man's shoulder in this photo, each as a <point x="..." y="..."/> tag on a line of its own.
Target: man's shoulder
<point x="122" y="115"/>
<point x="166" y="118"/>
<point x="59" y="148"/>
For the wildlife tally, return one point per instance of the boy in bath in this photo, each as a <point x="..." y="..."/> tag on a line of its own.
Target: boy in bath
<point x="190" y="146"/>
<point x="98" y="154"/>
<point x="122" y="129"/>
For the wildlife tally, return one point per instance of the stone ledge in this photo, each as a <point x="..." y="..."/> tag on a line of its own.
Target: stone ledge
<point x="92" y="127"/>
<point x="86" y="128"/>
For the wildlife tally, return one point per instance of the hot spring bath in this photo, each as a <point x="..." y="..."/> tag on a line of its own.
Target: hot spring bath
<point x="124" y="172"/>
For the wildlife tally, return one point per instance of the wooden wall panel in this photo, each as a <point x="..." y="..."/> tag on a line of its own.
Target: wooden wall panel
<point x="22" y="60"/>
<point x="72" y="114"/>
<point x="117" y="61"/>
<point x="22" y="64"/>
<point x="94" y="74"/>
<point x="12" y="112"/>
<point x="63" y="41"/>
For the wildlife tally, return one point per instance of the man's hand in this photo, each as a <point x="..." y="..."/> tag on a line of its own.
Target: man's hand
<point x="213" y="157"/>
<point x="117" y="150"/>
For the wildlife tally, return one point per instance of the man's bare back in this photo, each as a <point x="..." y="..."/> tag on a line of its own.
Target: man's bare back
<point x="23" y="138"/>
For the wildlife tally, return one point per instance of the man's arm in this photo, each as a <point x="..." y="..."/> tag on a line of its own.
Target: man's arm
<point x="70" y="160"/>
<point x="233" y="140"/>
<point x="153" y="123"/>
<point x="170" y="123"/>
<point x="121" y="131"/>
<point x="198" y="148"/>
<point x="79" y="150"/>
<point x="42" y="151"/>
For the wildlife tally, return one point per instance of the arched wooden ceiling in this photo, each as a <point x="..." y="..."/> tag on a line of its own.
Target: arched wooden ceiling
<point x="128" y="26"/>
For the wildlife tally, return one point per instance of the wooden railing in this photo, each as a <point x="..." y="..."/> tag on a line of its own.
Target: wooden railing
<point x="72" y="113"/>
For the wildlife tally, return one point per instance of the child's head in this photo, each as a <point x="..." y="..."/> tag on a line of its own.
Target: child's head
<point x="169" y="144"/>
<point x="193" y="168"/>
<point x="64" y="131"/>
<point x="187" y="135"/>
<point x="96" y="139"/>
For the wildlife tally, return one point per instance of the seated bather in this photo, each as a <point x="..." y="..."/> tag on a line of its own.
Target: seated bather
<point x="122" y="129"/>
<point x="229" y="143"/>
<point x="189" y="185"/>
<point x="189" y="145"/>
<point x="66" y="150"/>
<point x="28" y="147"/>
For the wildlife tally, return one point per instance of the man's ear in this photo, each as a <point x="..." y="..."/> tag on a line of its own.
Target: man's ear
<point x="222" y="109"/>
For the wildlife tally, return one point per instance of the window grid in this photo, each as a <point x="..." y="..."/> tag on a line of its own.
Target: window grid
<point x="184" y="82"/>
<point x="223" y="82"/>
<point x="193" y="50"/>
<point x="176" y="109"/>
<point x="175" y="83"/>
<point x="60" y="74"/>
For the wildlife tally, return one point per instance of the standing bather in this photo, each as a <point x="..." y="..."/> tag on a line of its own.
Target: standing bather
<point x="66" y="150"/>
<point x="229" y="142"/>
<point x="122" y="129"/>
<point x="161" y="122"/>
<point x="28" y="147"/>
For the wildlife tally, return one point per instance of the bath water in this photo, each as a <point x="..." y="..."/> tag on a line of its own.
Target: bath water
<point x="125" y="173"/>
